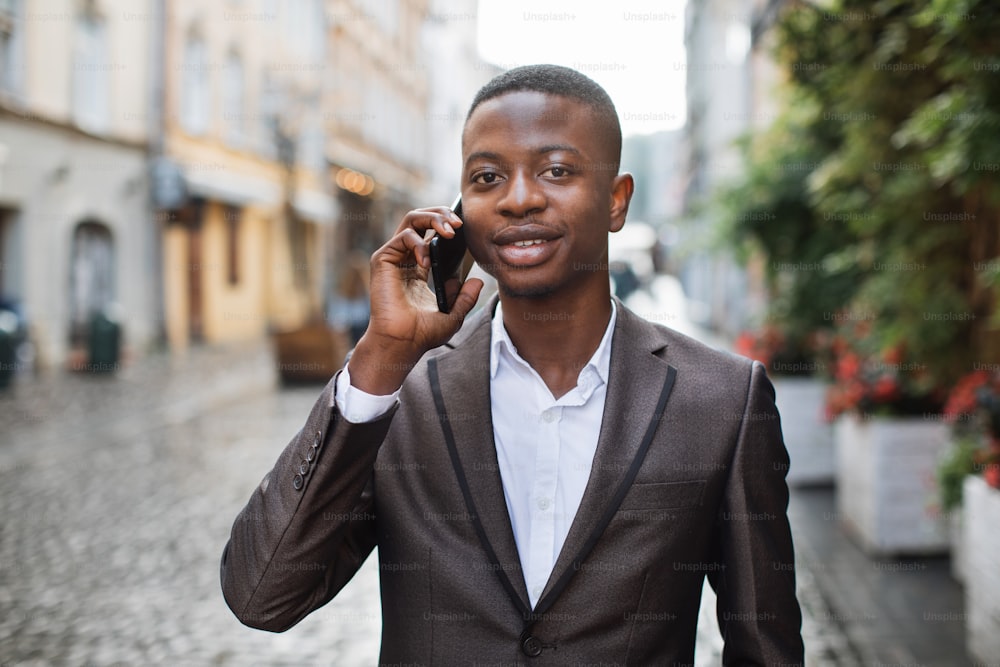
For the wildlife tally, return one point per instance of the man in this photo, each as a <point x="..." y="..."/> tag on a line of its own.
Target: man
<point x="552" y="483"/>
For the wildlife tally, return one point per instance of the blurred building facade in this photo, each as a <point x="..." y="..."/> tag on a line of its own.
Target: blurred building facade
<point x="75" y="228"/>
<point x="375" y="106"/>
<point x="730" y="77"/>
<point x="658" y="163"/>
<point x="206" y="169"/>
<point x="241" y="180"/>
<point x="456" y="72"/>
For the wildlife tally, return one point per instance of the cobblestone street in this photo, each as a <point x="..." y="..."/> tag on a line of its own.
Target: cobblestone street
<point x="111" y="537"/>
<point x="116" y="505"/>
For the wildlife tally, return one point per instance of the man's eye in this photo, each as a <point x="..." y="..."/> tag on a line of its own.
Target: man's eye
<point x="486" y="177"/>
<point x="558" y="172"/>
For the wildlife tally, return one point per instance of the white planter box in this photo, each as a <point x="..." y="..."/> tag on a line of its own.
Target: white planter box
<point x="956" y="538"/>
<point x="981" y="529"/>
<point x="887" y="496"/>
<point x="808" y="437"/>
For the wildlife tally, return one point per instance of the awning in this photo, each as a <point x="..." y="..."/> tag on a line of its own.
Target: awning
<point x="231" y="188"/>
<point x="241" y="190"/>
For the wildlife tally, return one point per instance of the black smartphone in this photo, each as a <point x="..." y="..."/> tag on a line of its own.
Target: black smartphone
<point x="446" y="259"/>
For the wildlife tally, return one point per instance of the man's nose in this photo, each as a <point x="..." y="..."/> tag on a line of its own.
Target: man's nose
<point x="522" y="196"/>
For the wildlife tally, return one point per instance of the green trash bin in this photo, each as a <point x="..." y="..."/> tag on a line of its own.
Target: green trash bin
<point x="8" y="347"/>
<point x="104" y="343"/>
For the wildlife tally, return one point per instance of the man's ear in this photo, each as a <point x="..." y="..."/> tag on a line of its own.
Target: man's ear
<point x="622" y="188"/>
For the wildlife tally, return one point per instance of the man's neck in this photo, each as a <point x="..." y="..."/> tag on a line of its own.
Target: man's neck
<point x="557" y="337"/>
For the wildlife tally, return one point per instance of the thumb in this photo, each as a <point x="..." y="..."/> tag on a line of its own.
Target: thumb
<point x="466" y="298"/>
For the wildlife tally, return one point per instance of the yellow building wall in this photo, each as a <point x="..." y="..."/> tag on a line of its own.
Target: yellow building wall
<point x="264" y="297"/>
<point x="233" y="312"/>
<point x="175" y="282"/>
<point x="288" y="304"/>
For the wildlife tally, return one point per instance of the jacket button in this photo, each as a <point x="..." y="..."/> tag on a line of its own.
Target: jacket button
<point x="304" y="468"/>
<point x="298" y="482"/>
<point x="531" y="646"/>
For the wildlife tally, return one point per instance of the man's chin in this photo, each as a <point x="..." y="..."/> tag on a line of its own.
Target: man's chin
<point x="525" y="291"/>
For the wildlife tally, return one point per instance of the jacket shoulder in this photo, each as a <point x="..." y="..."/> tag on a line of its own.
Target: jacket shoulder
<point x="683" y="351"/>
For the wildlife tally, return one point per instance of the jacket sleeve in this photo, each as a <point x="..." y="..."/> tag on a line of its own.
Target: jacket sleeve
<point x="309" y="525"/>
<point x="758" y="611"/>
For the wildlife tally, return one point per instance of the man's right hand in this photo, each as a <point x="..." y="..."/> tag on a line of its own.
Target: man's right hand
<point x="405" y="321"/>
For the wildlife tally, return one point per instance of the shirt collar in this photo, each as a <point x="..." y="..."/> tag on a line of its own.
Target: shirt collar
<point x="600" y="361"/>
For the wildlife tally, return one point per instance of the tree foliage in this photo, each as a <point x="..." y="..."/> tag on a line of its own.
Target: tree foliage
<point x="876" y="192"/>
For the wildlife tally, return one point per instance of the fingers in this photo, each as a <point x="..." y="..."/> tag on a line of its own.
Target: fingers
<point x="403" y="248"/>
<point x="439" y="218"/>
<point x="414" y="231"/>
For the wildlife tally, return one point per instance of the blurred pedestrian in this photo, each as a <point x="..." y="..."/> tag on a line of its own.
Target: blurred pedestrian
<point x="349" y="308"/>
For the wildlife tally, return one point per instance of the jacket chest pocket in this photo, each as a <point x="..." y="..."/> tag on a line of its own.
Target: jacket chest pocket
<point x="665" y="496"/>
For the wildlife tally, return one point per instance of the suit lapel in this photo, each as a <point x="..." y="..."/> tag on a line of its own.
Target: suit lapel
<point x="461" y="381"/>
<point x="639" y="384"/>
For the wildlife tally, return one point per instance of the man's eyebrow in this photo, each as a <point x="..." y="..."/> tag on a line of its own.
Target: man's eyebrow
<point x="542" y="150"/>
<point x="482" y="155"/>
<point x="557" y="147"/>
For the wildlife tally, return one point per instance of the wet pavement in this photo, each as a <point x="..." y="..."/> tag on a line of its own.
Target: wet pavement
<point x="111" y="537"/>
<point x="878" y="611"/>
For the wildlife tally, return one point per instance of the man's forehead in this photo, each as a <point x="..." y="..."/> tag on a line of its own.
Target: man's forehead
<point x="533" y="105"/>
<point x="531" y="111"/>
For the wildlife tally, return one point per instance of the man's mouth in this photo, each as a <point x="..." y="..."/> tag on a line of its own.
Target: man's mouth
<point x="527" y="252"/>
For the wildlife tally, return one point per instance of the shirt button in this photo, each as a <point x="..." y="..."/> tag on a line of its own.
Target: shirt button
<point x="548" y="416"/>
<point x="544" y="503"/>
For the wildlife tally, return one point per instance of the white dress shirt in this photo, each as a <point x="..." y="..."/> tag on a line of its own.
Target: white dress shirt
<point x="545" y="446"/>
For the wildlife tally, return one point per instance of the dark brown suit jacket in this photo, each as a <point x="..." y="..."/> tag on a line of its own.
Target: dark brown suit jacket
<point x="687" y="481"/>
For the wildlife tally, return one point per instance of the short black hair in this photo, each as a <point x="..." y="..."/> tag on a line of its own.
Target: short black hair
<point x="561" y="81"/>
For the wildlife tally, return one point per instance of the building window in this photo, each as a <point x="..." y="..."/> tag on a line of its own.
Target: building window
<point x="233" y="101"/>
<point x="11" y="257"/>
<point x="91" y="74"/>
<point x="10" y="46"/>
<point x="195" y="91"/>
<point x="232" y="215"/>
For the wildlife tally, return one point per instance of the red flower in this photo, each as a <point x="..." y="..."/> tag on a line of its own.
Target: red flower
<point x="848" y="366"/>
<point x="744" y="344"/>
<point x="963" y="400"/>
<point x="877" y="382"/>
<point x="886" y="389"/>
<point x="763" y="346"/>
<point x="991" y="474"/>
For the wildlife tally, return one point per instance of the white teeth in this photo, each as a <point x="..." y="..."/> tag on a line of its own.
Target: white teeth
<point x="525" y="244"/>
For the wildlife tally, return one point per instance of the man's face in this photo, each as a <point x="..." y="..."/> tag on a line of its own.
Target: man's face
<point x="540" y="193"/>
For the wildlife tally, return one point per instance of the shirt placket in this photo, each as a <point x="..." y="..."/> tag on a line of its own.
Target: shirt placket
<point x="543" y="497"/>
